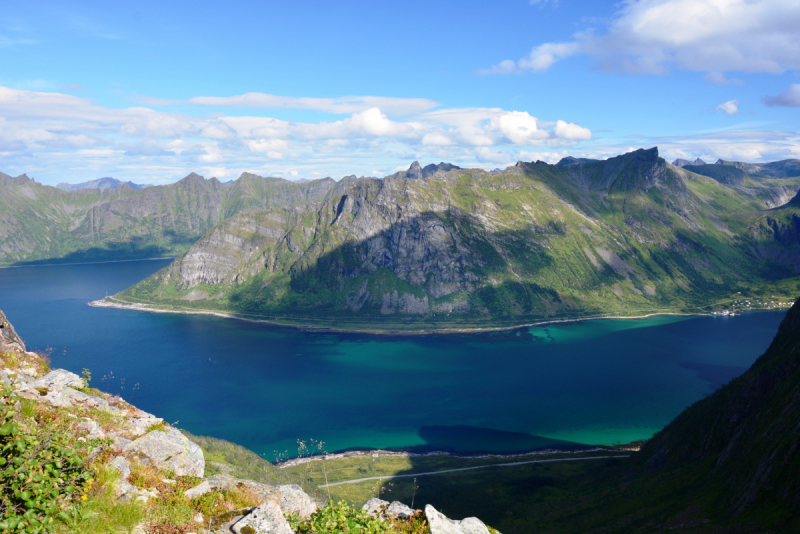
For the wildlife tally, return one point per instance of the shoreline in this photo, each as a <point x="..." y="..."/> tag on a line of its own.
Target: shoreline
<point x="382" y="453"/>
<point x="120" y="305"/>
<point x="84" y="263"/>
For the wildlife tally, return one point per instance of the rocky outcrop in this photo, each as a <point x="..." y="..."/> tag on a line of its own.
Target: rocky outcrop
<point x="266" y="518"/>
<point x="684" y="162"/>
<point x="384" y="510"/>
<point x="440" y="524"/>
<point x="169" y="449"/>
<point x="9" y="340"/>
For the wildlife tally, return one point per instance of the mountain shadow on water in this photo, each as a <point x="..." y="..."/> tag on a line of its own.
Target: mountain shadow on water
<point x="478" y="440"/>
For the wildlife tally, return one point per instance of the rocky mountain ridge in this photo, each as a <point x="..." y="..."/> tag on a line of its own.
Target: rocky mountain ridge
<point x="533" y="242"/>
<point x="100" y="183"/>
<point x="40" y="223"/>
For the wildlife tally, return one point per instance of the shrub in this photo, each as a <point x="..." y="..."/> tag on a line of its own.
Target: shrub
<point x="42" y="469"/>
<point x="340" y="518"/>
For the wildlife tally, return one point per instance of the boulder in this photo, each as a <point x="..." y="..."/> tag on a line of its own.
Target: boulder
<point x="383" y="510"/>
<point x="265" y="518"/>
<point x="399" y="510"/>
<point x="290" y="497"/>
<point x="91" y="401"/>
<point x="9" y="340"/>
<point x="58" y="378"/>
<point x="440" y="524"/>
<point x="138" y="425"/>
<point x="293" y="500"/>
<point x="169" y="449"/>
<point x="200" y="489"/>
<point x="120" y="444"/>
<point x="376" y="507"/>
<point x="124" y="491"/>
<point x="121" y="464"/>
<point x="65" y="397"/>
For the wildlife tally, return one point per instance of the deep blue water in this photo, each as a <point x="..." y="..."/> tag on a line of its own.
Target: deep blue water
<point x="594" y="382"/>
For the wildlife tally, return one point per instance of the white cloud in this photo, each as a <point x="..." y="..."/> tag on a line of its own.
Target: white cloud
<point x="731" y="107"/>
<point x="344" y="106"/>
<point x="718" y="78"/>
<point x="571" y="131"/>
<point x="713" y="36"/>
<point x="789" y="98"/>
<point x="51" y="132"/>
<point x="504" y="67"/>
<point x="519" y="127"/>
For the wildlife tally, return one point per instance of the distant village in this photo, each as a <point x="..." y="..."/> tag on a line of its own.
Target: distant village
<point x="745" y="304"/>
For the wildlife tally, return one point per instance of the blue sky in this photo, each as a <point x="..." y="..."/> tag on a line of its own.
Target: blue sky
<point x="150" y="91"/>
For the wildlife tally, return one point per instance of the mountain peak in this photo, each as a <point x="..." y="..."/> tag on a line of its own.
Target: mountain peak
<point x="684" y="162"/>
<point x="101" y="183"/>
<point x="416" y="172"/>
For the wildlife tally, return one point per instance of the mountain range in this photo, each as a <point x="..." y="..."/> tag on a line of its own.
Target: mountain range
<point x="100" y="183"/>
<point x="630" y="235"/>
<point x="43" y="224"/>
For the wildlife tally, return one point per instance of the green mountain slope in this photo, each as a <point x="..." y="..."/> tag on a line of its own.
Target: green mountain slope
<point x="729" y="464"/>
<point x="44" y="224"/>
<point x="630" y="235"/>
<point x="740" y="445"/>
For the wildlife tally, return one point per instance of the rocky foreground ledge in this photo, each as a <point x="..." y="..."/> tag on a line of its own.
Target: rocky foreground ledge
<point x="151" y="463"/>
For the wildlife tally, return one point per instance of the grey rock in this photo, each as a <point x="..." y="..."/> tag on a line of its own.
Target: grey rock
<point x="376" y="507"/>
<point x="200" y="489"/>
<point x="120" y="463"/>
<point x="145" y="495"/>
<point x="383" y="510"/>
<point x="265" y="518"/>
<point x="399" y="510"/>
<point x="120" y="444"/>
<point x="9" y="340"/>
<point x="138" y="425"/>
<point x="169" y="449"/>
<point x="440" y="524"/>
<point x="124" y="491"/>
<point x="22" y="378"/>
<point x="93" y="430"/>
<point x="58" y="378"/>
<point x="294" y="500"/>
<point x="291" y="497"/>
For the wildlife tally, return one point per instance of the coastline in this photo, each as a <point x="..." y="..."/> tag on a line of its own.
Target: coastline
<point x="382" y="453"/>
<point x="83" y="263"/>
<point x="106" y="303"/>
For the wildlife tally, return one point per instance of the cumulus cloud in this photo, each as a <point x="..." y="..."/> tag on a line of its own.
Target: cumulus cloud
<point x="56" y="129"/>
<point x="571" y="131"/>
<point x="731" y="107"/>
<point x="655" y="36"/>
<point x="789" y="98"/>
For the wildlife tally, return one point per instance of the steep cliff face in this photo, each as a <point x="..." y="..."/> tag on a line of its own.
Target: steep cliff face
<point x="739" y="446"/>
<point x="531" y="242"/>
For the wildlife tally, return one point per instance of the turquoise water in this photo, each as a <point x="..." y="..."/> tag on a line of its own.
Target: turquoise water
<point x="595" y="382"/>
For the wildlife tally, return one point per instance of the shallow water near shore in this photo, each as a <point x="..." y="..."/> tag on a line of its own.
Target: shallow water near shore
<point x="264" y="387"/>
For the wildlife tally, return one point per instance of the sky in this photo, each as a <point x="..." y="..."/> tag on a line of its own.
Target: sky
<point x="151" y="91"/>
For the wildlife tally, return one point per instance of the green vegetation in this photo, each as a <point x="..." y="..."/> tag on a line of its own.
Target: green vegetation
<point x="43" y="224"/>
<point x="342" y="518"/>
<point x="42" y="471"/>
<point x="625" y="237"/>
